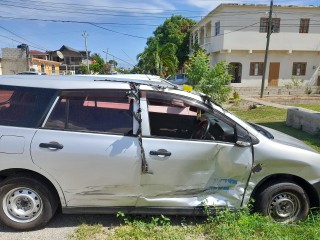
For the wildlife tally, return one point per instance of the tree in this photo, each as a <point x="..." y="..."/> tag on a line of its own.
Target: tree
<point x="197" y="67"/>
<point x="98" y="64"/>
<point x="215" y="84"/>
<point x="158" y="60"/>
<point x="115" y="63"/>
<point x="212" y="81"/>
<point x="176" y="30"/>
<point x="168" y="49"/>
<point x="83" y="69"/>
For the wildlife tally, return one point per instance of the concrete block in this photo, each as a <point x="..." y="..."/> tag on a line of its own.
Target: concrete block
<point x="308" y="121"/>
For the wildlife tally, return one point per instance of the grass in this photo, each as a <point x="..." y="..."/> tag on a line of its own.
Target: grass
<point x="314" y="107"/>
<point x="227" y="225"/>
<point x="275" y="118"/>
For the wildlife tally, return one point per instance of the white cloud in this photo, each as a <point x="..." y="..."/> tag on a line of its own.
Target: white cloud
<point x="84" y="9"/>
<point x="208" y="5"/>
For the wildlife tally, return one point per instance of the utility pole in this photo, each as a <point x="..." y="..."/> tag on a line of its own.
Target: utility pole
<point x="106" y="52"/>
<point x="85" y="35"/>
<point x="267" y="49"/>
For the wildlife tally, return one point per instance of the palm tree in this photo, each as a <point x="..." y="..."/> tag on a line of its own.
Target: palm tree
<point x="158" y="60"/>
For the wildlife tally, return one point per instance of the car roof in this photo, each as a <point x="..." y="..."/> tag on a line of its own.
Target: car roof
<point x="75" y="82"/>
<point x="83" y="81"/>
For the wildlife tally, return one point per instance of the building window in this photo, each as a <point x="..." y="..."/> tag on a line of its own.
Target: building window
<point x="53" y="70"/>
<point x="256" y="68"/>
<point x="217" y="28"/>
<point x="264" y="25"/>
<point x="299" y="69"/>
<point x="304" y="25"/>
<point x="235" y="69"/>
<point x="42" y="68"/>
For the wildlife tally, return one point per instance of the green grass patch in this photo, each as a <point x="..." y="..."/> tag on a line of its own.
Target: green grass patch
<point x="89" y="232"/>
<point x="227" y="225"/>
<point x="275" y="118"/>
<point x="314" y="107"/>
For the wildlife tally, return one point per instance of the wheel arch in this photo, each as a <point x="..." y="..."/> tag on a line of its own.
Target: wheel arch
<point x="36" y="175"/>
<point x="307" y="187"/>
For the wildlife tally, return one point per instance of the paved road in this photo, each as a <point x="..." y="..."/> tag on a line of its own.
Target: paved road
<point x="59" y="228"/>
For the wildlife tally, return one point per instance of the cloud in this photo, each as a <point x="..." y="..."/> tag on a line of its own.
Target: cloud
<point x="84" y="9"/>
<point x="210" y="5"/>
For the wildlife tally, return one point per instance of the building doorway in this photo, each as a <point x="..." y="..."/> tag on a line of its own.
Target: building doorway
<point x="235" y="71"/>
<point x="274" y="69"/>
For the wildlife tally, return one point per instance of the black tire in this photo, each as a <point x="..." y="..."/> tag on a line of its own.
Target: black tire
<point x="284" y="202"/>
<point x="26" y="203"/>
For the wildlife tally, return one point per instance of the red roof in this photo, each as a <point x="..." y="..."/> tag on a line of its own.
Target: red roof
<point x="35" y="52"/>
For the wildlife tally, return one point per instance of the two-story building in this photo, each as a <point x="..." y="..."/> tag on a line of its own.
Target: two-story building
<point x="70" y="59"/>
<point x="237" y="34"/>
<point x="39" y="62"/>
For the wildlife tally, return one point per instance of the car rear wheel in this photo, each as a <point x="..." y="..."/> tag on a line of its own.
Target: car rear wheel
<point x="26" y="203"/>
<point x="284" y="202"/>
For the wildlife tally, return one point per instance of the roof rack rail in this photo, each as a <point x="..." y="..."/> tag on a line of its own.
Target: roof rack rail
<point x="149" y="80"/>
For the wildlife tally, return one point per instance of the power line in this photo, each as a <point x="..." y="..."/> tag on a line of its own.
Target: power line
<point x="74" y="21"/>
<point x="20" y="37"/>
<point x="91" y="12"/>
<point x="126" y="34"/>
<point x="97" y="7"/>
<point x="120" y="59"/>
<point x="21" y="42"/>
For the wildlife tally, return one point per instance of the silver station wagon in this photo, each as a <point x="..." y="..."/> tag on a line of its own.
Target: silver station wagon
<point x="138" y="144"/>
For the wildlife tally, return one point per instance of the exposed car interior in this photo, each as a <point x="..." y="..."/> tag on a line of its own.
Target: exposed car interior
<point x="177" y="118"/>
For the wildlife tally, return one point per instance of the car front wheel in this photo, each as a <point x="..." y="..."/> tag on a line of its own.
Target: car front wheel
<point x="284" y="202"/>
<point x="26" y="203"/>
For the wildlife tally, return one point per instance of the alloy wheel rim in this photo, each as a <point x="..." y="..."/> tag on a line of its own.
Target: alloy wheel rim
<point x="22" y="205"/>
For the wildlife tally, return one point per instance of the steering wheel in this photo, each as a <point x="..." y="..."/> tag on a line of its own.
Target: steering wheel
<point x="201" y="130"/>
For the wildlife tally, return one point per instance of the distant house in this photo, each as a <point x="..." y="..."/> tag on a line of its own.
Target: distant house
<point x="45" y="66"/>
<point x="237" y="34"/>
<point x="21" y="59"/>
<point x="39" y="62"/>
<point x="70" y="59"/>
<point x="39" y="55"/>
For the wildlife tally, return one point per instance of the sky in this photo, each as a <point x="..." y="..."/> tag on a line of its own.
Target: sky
<point x="117" y="27"/>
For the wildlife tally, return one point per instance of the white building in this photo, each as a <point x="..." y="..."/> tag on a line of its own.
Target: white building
<point x="237" y="34"/>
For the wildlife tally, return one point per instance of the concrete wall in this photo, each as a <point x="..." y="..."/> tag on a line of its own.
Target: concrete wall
<point x="286" y="63"/>
<point x="13" y="61"/>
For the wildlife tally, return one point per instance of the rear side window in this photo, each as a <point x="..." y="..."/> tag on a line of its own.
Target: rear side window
<point x="23" y="106"/>
<point x="108" y="111"/>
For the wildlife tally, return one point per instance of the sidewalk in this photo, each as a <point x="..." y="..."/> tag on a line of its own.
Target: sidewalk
<point x="267" y="103"/>
<point x="272" y="104"/>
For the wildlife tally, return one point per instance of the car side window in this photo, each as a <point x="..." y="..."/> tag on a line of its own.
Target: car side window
<point x="94" y="112"/>
<point x="173" y="116"/>
<point x="24" y="106"/>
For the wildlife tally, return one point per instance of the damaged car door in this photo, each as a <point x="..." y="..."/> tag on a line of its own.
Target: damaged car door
<point x="194" y="155"/>
<point x="87" y="145"/>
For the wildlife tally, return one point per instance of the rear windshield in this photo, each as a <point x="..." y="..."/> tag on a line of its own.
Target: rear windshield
<point x="24" y="106"/>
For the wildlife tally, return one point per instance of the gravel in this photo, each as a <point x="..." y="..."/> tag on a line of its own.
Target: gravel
<point x="59" y="228"/>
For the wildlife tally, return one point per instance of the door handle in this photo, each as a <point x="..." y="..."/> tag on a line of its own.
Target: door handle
<point x="51" y="145"/>
<point x="161" y="152"/>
